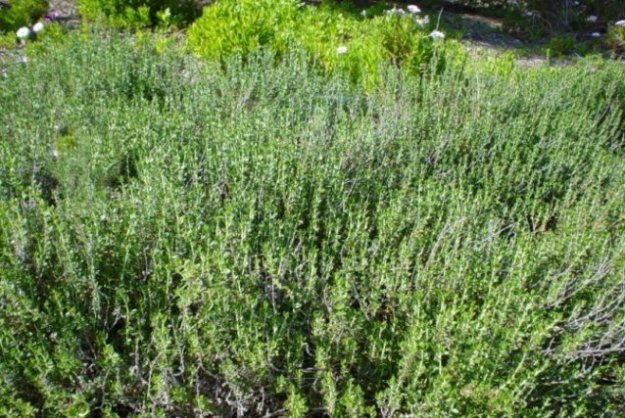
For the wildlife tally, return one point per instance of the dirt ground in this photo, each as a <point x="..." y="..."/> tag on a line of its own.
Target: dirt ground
<point x="67" y="8"/>
<point x="484" y="36"/>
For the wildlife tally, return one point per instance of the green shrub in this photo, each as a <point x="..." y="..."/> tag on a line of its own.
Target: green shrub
<point x="369" y="43"/>
<point x="335" y="37"/>
<point x="8" y="40"/>
<point x="21" y="13"/>
<point x="138" y="13"/>
<point x="560" y="45"/>
<point x="615" y="39"/>
<point x="242" y="26"/>
<point x="339" y="42"/>
<point x="257" y="239"/>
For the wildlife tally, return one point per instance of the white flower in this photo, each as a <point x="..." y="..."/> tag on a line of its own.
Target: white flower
<point x="596" y="35"/>
<point x="396" y="11"/>
<point x="422" y="21"/>
<point x="437" y="35"/>
<point x="529" y="14"/>
<point x="620" y="23"/>
<point x="363" y="13"/>
<point x="413" y="8"/>
<point x="341" y="50"/>
<point x="38" y="27"/>
<point x="23" y="32"/>
<point x="592" y="18"/>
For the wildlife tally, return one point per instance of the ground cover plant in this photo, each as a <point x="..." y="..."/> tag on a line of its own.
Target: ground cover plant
<point x="254" y="236"/>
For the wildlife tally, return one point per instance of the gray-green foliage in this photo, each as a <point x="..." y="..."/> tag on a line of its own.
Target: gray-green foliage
<point x="180" y="239"/>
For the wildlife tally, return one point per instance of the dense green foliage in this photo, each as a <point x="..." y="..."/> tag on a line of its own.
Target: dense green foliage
<point x="242" y="27"/>
<point x="256" y="237"/>
<point x="21" y="13"/>
<point x="139" y="13"/>
<point x="616" y="39"/>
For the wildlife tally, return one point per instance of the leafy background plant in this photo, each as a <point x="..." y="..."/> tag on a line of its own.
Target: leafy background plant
<point x="21" y="13"/>
<point x="234" y="27"/>
<point x="241" y="27"/>
<point x="615" y="39"/>
<point x="138" y="13"/>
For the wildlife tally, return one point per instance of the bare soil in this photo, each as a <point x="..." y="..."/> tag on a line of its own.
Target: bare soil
<point x="67" y="8"/>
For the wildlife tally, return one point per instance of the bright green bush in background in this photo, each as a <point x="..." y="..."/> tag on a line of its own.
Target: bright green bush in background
<point x="370" y="42"/>
<point x="21" y="13"/>
<point x="139" y="13"/>
<point x="242" y="27"/>
<point x="254" y="238"/>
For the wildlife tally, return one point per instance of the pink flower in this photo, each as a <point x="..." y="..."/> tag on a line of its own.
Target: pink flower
<point x="51" y="17"/>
